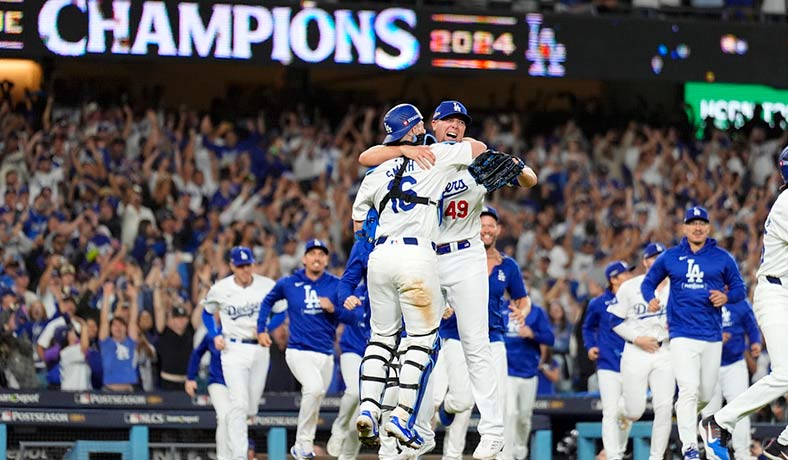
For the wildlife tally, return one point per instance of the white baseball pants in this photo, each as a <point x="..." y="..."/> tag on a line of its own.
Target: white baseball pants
<point x="313" y="371"/>
<point x="641" y="370"/>
<point x="245" y="368"/>
<point x="520" y="398"/>
<point x="463" y="276"/>
<point x="349" y="364"/>
<point x="770" y="307"/>
<point x="696" y="366"/>
<point x="403" y="284"/>
<point x="734" y="380"/>
<point x="220" y="400"/>
<point x="614" y="438"/>
<point x="454" y="441"/>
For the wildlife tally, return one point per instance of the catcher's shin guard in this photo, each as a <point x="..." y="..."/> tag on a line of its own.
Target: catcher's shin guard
<point x="373" y="375"/>
<point x="421" y="352"/>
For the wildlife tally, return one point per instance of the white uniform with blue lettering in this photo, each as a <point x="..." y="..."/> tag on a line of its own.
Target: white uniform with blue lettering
<point x="640" y="369"/>
<point x="244" y="362"/>
<point x="403" y="278"/>
<point x="770" y="305"/>
<point x="462" y="264"/>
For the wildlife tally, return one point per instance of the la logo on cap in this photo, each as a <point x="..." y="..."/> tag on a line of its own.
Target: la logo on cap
<point x="317" y="242"/>
<point x="696" y="211"/>
<point x="243" y="255"/>
<point x="457" y="107"/>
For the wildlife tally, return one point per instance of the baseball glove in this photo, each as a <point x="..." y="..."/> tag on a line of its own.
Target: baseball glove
<point x="494" y="169"/>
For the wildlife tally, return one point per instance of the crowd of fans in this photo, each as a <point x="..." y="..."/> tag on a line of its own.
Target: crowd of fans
<point x="115" y="219"/>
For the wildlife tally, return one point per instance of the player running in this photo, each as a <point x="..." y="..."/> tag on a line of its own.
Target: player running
<point x="645" y="361"/>
<point x="244" y="363"/>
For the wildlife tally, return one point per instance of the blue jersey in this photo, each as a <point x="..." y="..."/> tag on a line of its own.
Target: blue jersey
<point x="311" y="327"/>
<point x="597" y="332"/>
<point x="522" y="355"/>
<point x="692" y="276"/>
<point x="215" y="374"/>
<point x="505" y="277"/>
<point x="738" y="320"/>
<point x="356" y="334"/>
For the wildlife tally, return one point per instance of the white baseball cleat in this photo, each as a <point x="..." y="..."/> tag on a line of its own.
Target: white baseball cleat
<point x="488" y="448"/>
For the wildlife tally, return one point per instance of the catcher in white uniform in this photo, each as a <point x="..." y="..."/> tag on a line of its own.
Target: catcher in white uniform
<point x="466" y="290"/>
<point x="645" y="362"/>
<point x="770" y="305"/>
<point x="403" y="279"/>
<point x="236" y="299"/>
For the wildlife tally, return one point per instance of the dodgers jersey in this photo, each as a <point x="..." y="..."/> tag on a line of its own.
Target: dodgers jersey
<point x="692" y="276"/>
<point x="460" y="208"/>
<point x="738" y="320"/>
<point x="411" y="219"/>
<point x="632" y="308"/>
<point x="505" y="277"/>
<point x="523" y="355"/>
<point x="774" y="258"/>
<point x="356" y="334"/>
<point x="238" y="306"/>
<point x="311" y="327"/>
<point x="597" y="332"/>
<point x="215" y="374"/>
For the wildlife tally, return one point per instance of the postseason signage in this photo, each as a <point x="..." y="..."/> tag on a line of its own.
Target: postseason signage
<point x="395" y="39"/>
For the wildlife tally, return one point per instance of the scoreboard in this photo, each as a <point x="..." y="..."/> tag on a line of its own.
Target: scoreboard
<point x="392" y="38"/>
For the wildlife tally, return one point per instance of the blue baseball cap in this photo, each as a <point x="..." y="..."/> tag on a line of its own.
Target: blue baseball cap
<point x="696" y="213"/>
<point x="490" y="211"/>
<point x="616" y="268"/>
<point x="315" y="243"/>
<point x="451" y="108"/>
<point x="653" y="249"/>
<point x="241" y="255"/>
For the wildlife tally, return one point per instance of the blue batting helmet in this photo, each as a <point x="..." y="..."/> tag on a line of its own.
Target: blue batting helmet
<point x="399" y="120"/>
<point x="784" y="165"/>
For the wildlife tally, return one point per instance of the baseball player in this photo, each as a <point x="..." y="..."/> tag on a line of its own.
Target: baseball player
<point x="645" y="361"/>
<point x="605" y="346"/>
<point x="738" y="320"/>
<point x="220" y="398"/>
<point x="353" y="295"/>
<point x="466" y="290"/>
<point x="523" y="353"/>
<point x="504" y="276"/>
<point x="244" y="363"/>
<point x="403" y="279"/>
<point x="313" y="326"/>
<point x="769" y="305"/>
<point x="699" y="273"/>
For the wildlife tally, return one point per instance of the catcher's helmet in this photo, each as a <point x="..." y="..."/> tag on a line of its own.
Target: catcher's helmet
<point x="783" y="163"/>
<point x="399" y="120"/>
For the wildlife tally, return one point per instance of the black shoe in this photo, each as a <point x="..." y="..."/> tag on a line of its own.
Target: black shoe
<point x="774" y="450"/>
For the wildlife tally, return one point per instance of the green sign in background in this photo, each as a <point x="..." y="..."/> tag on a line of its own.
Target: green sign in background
<point x="730" y="103"/>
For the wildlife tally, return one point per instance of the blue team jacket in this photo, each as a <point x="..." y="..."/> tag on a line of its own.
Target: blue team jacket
<point x="215" y="374"/>
<point x="356" y="334"/>
<point x="522" y="355"/>
<point x="505" y="277"/>
<point x="311" y="328"/>
<point x="692" y="276"/>
<point x="597" y="332"/>
<point x="738" y="320"/>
